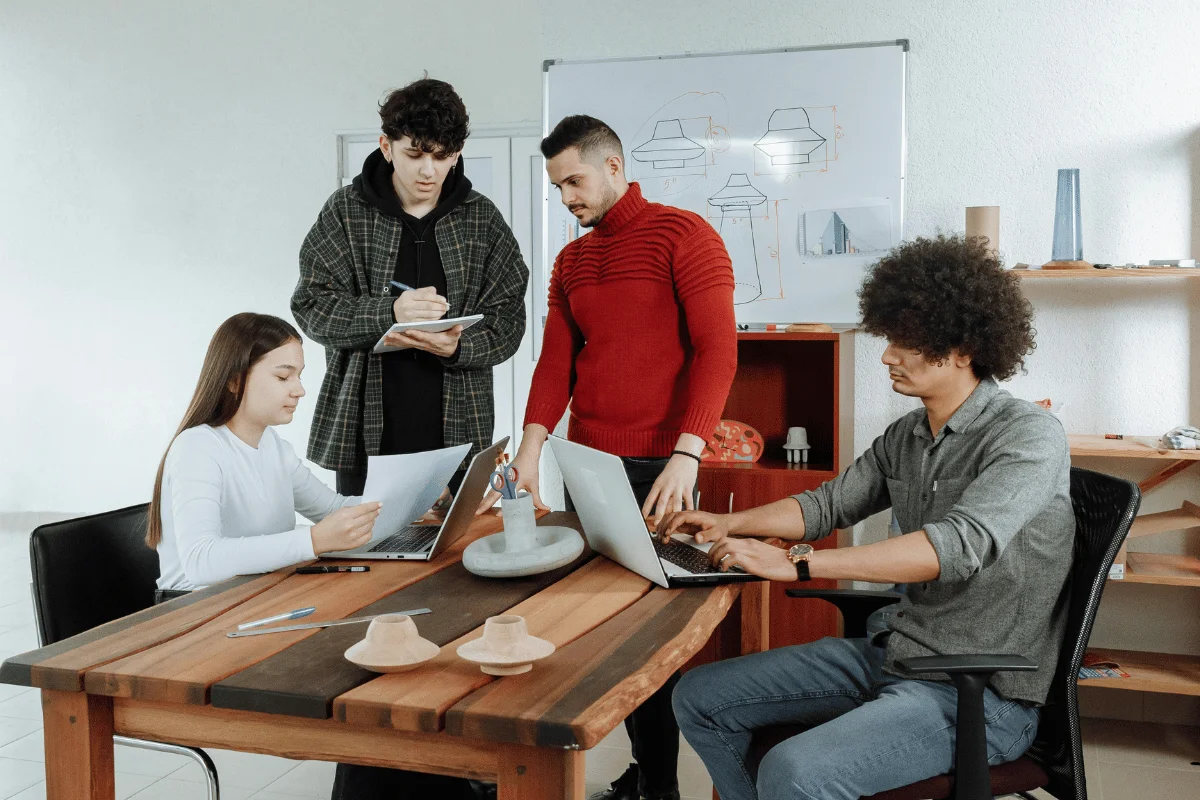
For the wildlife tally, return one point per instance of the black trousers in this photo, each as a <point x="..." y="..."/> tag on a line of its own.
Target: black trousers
<point x="353" y="782"/>
<point x="653" y="732"/>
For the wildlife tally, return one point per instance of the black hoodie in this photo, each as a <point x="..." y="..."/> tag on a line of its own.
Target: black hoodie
<point x="412" y="379"/>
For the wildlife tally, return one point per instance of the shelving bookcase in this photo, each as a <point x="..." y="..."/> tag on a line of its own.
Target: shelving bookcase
<point x="1167" y="673"/>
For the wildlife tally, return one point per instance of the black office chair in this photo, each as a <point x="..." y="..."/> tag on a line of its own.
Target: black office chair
<point x="1104" y="509"/>
<point x="90" y="571"/>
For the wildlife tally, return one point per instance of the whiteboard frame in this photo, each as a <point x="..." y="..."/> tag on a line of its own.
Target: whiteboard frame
<point x="903" y="44"/>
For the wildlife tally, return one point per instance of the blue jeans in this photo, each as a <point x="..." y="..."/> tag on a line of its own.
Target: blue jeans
<point x="867" y="731"/>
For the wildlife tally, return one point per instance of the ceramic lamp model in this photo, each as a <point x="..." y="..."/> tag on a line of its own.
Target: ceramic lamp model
<point x="797" y="446"/>
<point x="392" y="644"/>
<point x="506" y="648"/>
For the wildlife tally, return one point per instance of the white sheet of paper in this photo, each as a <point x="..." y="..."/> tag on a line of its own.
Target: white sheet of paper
<point x="408" y="485"/>
<point x="432" y="326"/>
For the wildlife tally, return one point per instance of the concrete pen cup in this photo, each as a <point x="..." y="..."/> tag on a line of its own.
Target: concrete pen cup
<point x="392" y="644"/>
<point x="519" y="523"/>
<point x="506" y="648"/>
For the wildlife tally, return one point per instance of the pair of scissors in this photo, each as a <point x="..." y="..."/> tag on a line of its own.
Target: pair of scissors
<point x="504" y="479"/>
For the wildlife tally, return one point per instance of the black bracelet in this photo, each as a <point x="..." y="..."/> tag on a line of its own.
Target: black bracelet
<point x="689" y="455"/>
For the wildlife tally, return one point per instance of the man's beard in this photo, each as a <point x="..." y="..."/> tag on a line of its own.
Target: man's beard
<point x="608" y="201"/>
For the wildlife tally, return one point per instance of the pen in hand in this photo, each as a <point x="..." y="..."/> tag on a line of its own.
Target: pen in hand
<point x="297" y="614"/>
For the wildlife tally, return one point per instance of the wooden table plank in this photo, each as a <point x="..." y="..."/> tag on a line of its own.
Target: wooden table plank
<point x="576" y="696"/>
<point x="418" y="700"/>
<point x="61" y="666"/>
<point x="304" y="679"/>
<point x="305" y="739"/>
<point x="183" y="669"/>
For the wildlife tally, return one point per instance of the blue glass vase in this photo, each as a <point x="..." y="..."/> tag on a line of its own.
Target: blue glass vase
<point x="1068" y="232"/>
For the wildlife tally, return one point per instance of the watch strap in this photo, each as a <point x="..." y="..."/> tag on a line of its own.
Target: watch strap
<point x="802" y="570"/>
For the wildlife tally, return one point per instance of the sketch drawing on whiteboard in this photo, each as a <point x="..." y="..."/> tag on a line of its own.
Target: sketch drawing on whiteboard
<point x="677" y="145"/>
<point x="668" y="149"/>
<point x="790" y="138"/>
<point x="852" y="231"/>
<point x="736" y="227"/>
<point x="798" y="140"/>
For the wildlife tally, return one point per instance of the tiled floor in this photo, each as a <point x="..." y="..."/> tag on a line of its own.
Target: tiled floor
<point x="1126" y="761"/>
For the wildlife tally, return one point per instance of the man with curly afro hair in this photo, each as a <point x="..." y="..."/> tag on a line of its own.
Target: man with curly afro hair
<point x="978" y="482"/>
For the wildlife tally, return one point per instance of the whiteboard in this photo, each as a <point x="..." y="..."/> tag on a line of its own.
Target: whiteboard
<point x="796" y="157"/>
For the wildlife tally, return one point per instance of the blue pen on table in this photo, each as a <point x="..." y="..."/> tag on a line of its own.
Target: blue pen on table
<point x="297" y="614"/>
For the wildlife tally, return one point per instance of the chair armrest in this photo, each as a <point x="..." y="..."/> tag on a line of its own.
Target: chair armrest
<point x="970" y="674"/>
<point x="952" y="665"/>
<point x="856" y="605"/>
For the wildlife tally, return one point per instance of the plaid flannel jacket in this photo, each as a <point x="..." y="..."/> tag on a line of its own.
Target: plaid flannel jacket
<point x="342" y="301"/>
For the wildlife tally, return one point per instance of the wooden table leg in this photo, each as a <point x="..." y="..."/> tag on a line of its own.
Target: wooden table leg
<point x="756" y="617"/>
<point x="79" y="746"/>
<point x="539" y="773"/>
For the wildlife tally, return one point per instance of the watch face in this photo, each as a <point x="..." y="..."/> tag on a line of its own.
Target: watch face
<point x="800" y="551"/>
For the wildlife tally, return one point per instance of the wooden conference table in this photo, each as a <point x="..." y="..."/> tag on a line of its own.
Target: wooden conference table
<point x="170" y="674"/>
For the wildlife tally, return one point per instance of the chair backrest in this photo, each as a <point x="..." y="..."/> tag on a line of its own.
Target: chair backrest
<point x="91" y="570"/>
<point x="1104" y="509"/>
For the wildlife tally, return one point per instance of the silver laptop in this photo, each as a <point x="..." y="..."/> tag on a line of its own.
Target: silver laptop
<point x="424" y="542"/>
<point x="614" y="526"/>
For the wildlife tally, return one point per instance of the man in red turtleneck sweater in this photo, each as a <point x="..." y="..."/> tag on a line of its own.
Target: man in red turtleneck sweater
<point x="641" y="341"/>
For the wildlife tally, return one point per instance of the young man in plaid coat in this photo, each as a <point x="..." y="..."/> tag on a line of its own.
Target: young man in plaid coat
<point x="410" y="217"/>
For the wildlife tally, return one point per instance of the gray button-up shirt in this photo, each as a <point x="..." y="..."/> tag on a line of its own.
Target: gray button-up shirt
<point x="992" y="493"/>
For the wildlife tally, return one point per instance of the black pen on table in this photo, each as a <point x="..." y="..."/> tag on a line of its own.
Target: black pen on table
<point x="326" y="569"/>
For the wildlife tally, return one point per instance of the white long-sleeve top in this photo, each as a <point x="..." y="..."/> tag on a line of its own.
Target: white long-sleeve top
<point x="230" y="509"/>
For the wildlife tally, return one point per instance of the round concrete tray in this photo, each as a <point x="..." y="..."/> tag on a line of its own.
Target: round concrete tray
<point x="555" y="547"/>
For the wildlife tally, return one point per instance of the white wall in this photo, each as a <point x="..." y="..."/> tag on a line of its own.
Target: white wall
<point x="160" y="164"/>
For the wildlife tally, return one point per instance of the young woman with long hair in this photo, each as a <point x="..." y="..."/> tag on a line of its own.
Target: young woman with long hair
<point x="228" y="488"/>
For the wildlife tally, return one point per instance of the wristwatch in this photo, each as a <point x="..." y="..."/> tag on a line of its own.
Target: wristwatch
<point x="799" y="554"/>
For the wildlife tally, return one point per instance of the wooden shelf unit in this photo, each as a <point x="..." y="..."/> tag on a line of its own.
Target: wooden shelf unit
<point x="1092" y="273"/>
<point x="1181" y="519"/>
<point x="1129" y="447"/>
<point x="1149" y="671"/>
<point x="1162" y="569"/>
<point x="785" y="380"/>
<point x="1167" y="673"/>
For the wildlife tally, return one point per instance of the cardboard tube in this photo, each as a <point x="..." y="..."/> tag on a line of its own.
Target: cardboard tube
<point x="984" y="222"/>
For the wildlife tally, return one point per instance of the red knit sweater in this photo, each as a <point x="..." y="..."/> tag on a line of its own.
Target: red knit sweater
<point x="640" y="335"/>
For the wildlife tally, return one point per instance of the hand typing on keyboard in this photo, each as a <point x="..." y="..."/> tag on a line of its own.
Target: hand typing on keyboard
<point x="704" y="526"/>
<point x="753" y="556"/>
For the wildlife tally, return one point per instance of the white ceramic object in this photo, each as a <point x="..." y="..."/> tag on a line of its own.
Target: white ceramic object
<point x="392" y="644"/>
<point x="506" y="648"/>
<point x="553" y="547"/>
<point x="797" y="445"/>
<point x="519" y="523"/>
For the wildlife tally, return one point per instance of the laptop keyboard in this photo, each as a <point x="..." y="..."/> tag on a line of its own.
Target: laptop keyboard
<point x="684" y="556"/>
<point x="410" y="539"/>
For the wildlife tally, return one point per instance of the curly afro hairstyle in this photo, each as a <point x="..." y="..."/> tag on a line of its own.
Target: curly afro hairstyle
<point x="430" y="112"/>
<point x="950" y="293"/>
